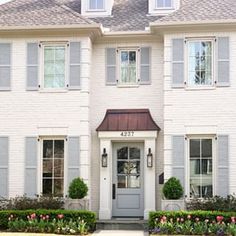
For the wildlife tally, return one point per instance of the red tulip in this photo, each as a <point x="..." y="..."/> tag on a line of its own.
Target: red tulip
<point x="219" y="218"/>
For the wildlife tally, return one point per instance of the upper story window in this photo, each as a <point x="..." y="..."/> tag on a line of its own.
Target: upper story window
<point x="164" y="4"/>
<point x="201" y="167"/>
<point x="54" y="63"/>
<point x="128" y="66"/>
<point x="96" y="5"/>
<point x="200" y="63"/>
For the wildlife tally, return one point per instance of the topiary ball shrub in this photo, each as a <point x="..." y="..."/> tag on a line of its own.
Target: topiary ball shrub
<point x="173" y="189"/>
<point x="78" y="189"/>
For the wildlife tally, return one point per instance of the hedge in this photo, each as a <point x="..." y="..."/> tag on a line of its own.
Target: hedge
<point x="202" y="215"/>
<point x="87" y="216"/>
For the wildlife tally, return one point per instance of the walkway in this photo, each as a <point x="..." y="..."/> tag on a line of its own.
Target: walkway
<point x="119" y="233"/>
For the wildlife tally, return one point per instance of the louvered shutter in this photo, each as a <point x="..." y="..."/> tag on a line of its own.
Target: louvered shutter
<point x="5" y="66"/>
<point x="31" y="166"/>
<point x="145" y="65"/>
<point x="222" y="179"/>
<point x="178" y="158"/>
<point x="223" y="78"/>
<point x="32" y="82"/>
<point x="111" y="66"/>
<point x="73" y="159"/>
<point x="75" y="66"/>
<point x="178" y="63"/>
<point x="4" y="159"/>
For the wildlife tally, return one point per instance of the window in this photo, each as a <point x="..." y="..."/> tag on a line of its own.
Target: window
<point x="200" y="63"/>
<point x="53" y="167"/>
<point x="96" y="4"/>
<point x="201" y="168"/>
<point x="54" y="66"/>
<point x="128" y="66"/>
<point x="164" y="4"/>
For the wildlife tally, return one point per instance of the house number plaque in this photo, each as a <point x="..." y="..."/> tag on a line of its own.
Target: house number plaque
<point x="127" y="134"/>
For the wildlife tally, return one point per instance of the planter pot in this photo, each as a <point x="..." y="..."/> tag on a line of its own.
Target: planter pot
<point x="76" y="204"/>
<point x="173" y="205"/>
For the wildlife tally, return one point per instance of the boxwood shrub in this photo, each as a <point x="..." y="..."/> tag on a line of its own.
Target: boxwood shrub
<point x="201" y="215"/>
<point x="87" y="216"/>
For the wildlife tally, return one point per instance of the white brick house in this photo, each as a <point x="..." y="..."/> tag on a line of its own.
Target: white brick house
<point x="120" y="79"/>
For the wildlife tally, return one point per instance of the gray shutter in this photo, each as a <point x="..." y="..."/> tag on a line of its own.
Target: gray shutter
<point x="111" y="66"/>
<point x="75" y="66"/>
<point x="4" y="158"/>
<point x="223" y="78"/>
<point x="145" y="65"/>
<point x="32" y="82"/>
<point x="73" y="159"/>
<point x="178" y="158"/>
<point x="178" y="63"/>
<point x="31" y="166"/>
<point x="5" y="66"/>
<point x="222" y="185"/>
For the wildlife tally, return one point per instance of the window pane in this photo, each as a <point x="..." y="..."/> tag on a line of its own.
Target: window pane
<point x="134" y="153"/>
<point x="194" y="167"/>
<point x="160" y="3"/>
<point x="47" y="168"/>
<point x="122" y="153"/>
<point x="47" y="186"/>
<point x="207" y="148"/>
<point x="122" y="167"/>
<point x="92" y="4"/>
<point x="194" y="147"/>
<point x="124" y="57"/>
<point x="124" y="74"/>
<point x="100" y="4"/>
<point x="168" y="3"/>
<point x="134" y="181"/>
<point x="47" y="149"/>
<point x="59" y="149"/>
<point x="122" y="181"/>
<point x="58" y="187"/>
<point x="58" y="168"/>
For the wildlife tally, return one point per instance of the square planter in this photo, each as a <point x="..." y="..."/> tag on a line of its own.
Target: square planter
<point x="172" y="205"/>
<point x="76" y="204"/>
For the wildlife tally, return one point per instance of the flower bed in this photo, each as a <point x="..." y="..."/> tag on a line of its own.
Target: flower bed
<point x="48" y="221"/>
<point x="193" y="223"/>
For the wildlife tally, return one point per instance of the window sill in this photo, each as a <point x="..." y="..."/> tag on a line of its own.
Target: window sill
<point x="164" y="8"/>
<point x="53" y="91"/>
<point x="96" y="10"/>
<point x="127" y="85"/>
<point x="200" y="88"/>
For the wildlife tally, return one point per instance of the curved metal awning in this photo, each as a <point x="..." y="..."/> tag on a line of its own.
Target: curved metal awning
<point x="128" y="120"/>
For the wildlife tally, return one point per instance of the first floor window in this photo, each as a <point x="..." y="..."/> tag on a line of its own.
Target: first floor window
<point x="164" y="3"/>
<point x="96" y="4"/>
<point x="53" y="167"/>
<point x="201" y="167"/>
<point x="200" y="63"/>
<point x="54" y="66"/>
<point x="128" y="66"/>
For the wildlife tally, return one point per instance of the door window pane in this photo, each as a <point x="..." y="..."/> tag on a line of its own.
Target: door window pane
<point x="54" y="66"/>
<point x="122" y="181"/>
<point x="122" y="167"/>
<point x="201" y="168"/>
<point x="122" y="153"/>
<point x="134" y="181"/>
<point x="134" y="153"/>
<point x="53" y="167"/>
<point x="200" y="63"/>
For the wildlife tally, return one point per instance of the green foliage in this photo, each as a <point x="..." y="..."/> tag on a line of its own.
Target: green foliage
<point x="16" y="219"/>
<point x="78" y="189"/>
<point x="193" y="223"/>
<point x="24" y="203"/>
<point x="173" y="189"/>
<point x="216" y="203"/>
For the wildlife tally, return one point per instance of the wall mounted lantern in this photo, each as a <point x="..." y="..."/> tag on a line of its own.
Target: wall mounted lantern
<point x="104" y="158"/>
<point x="149" y="158"/>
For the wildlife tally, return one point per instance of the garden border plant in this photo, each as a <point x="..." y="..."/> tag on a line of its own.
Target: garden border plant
<point x="193" y="223"/>
<point x="80" y="220"/>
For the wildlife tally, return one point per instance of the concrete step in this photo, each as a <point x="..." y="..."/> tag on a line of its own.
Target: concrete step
<point x="122" y="224"/>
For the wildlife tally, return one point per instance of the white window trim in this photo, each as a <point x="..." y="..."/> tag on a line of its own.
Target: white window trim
<point x="41" y="66"/>
<point x="40" y="172"/>
<point x="186" y="63"/>
<point x="187" y="163"/>
<point x="97" y="9"/>
<point x="165" y="8"/>
<point x="138" y="60"/>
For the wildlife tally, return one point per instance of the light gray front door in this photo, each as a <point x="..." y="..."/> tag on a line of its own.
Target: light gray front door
<point x="127" y="189"/>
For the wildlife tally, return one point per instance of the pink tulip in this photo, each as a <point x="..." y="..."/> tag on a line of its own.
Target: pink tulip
<point x="219" y="218"/>
<point x="60" y="216"/>
<point x="189" y="217"/>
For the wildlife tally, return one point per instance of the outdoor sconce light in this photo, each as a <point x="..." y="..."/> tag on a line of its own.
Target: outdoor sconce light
<point x="104" y="158"/>
<point x="149" y="158"/>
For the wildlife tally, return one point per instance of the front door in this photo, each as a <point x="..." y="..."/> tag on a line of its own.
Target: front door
<point x="127" y="189"/>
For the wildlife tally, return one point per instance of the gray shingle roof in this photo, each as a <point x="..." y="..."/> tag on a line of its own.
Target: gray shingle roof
<point x="39" y="13"/>
<point x="203" y="10"/>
